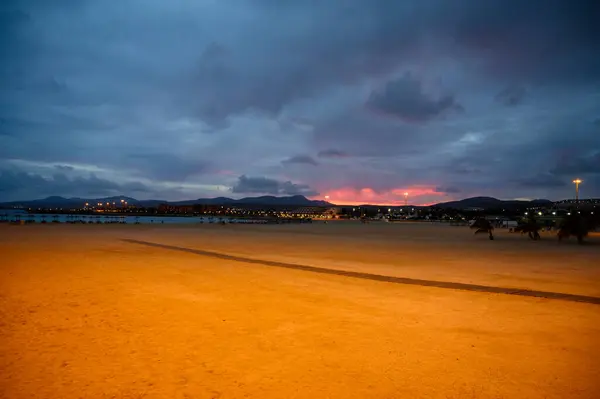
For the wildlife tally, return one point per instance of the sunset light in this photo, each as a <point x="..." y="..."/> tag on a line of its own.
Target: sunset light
<point x="420" y="195"/>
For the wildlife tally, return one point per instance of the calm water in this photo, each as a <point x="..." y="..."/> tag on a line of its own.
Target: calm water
<point x="13" y="215"/>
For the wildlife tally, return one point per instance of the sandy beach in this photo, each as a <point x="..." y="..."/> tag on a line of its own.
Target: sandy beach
<point x="84" y="313"/>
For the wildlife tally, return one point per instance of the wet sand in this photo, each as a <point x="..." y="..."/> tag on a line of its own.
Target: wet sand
<point x="84" y="314"/>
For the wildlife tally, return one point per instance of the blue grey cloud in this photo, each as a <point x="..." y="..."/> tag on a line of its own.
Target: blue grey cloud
<point x="404" y="98"/>
<point x="264" y="185"/>
<point x="16" y="185"/>
<point x="300" y="159"/>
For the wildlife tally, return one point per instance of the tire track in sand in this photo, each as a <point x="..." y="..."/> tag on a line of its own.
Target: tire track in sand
<point x="379" y="277"/>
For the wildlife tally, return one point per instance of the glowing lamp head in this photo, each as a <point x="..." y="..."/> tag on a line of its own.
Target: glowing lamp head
<point x="577" y="181"/>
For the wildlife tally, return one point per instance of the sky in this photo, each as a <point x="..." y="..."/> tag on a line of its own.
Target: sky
<point x="357" y="101"/>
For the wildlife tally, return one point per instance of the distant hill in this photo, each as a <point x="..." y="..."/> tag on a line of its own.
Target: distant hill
<point x="268" y="200"/>
<point x="490" y="202"/>
<point x="294" y="200"/>
<point x="61" y="202"/>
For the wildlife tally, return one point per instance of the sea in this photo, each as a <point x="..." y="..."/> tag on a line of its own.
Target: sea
<point x="12" y="215"/>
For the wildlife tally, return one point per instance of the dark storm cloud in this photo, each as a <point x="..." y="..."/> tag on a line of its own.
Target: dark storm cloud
<point x="247" y="184"/>
<point x="467" y="166"/>
<point x="541" y="156"/>
<point x="529" y="40"/>
<point x="363" y="133"/>
<point x="448" y="189"/>
<point x="512" y="95"/>
<point x="289" y="188"/>
<point x="542" y="180"/>
<point x="585" y="165"/>
<point x="164" y="166"/>
<point x="538" y="40"/>
<point x="332" y="153"/>
<point x="328" y="44"/>
<point x="300" y="159"/>
<point x="264" y="185"/>
<point x="406" y="99"/>
<point x="16" y="184"/>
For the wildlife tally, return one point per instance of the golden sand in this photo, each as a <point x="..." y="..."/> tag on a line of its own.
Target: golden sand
<point x="84" y="314"/>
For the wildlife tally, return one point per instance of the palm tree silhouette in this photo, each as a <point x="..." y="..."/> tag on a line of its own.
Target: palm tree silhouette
<point x="483" y="225"/>
<point x="576" y="225"/>
<point x="529" y="226"/>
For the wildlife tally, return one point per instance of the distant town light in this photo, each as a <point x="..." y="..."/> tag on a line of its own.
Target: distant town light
<point x="540" y="213"/>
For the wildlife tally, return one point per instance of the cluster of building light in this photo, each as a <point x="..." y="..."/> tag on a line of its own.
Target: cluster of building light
<point x="102" y="205"/>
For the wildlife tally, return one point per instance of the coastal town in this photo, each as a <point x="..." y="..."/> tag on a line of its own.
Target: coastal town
<point x="119" y="210"/>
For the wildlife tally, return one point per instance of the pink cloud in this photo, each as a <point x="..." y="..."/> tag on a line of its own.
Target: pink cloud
<point x="417" y="195"/>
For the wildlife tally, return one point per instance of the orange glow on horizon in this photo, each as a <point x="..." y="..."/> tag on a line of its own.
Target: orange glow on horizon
<point x="417" y="195"/>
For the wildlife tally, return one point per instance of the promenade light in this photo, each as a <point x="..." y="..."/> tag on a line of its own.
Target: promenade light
<point x="577" y="182"/>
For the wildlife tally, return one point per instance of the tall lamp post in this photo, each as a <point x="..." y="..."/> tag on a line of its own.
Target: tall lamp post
<point x="577" y="182"/>
<point x="405" y="199"/>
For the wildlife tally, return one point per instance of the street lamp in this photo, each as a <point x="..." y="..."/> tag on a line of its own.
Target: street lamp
<point x="405" y="199"/>
<point x="577" y="182"/>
